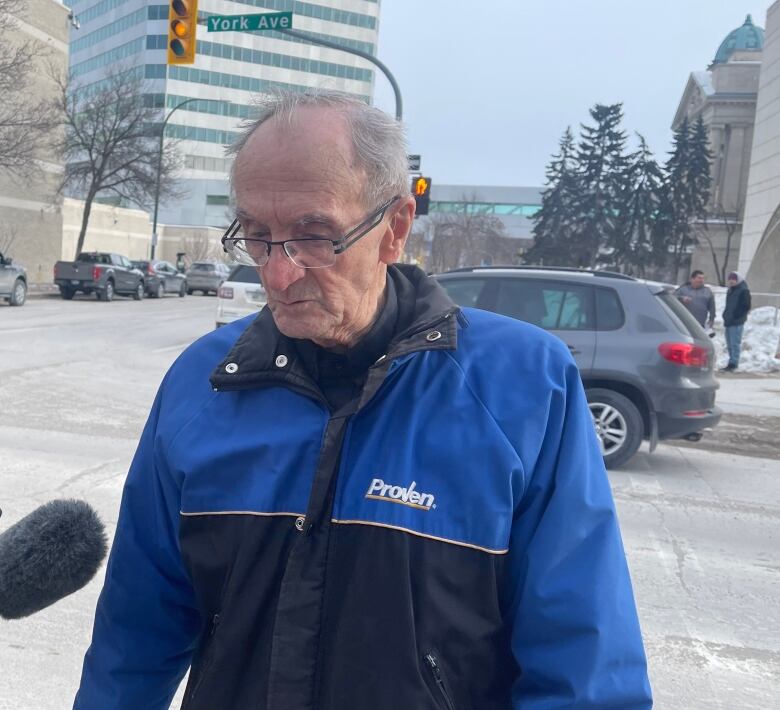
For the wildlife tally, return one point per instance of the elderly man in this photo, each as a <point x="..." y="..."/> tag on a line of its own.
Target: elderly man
<point x="362" y="497"/>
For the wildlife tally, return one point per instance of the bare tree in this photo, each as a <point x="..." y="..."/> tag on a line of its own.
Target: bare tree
<point x="198" y="247"/>
<point x="111" y="144"/>
<point x="729" y="222"/>
<point x="8" y="236"/>
<point x="469" y="236"/>
<point x="25" y="123"/>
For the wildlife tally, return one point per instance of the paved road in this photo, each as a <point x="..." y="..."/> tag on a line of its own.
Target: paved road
<point x="701" y="528"/>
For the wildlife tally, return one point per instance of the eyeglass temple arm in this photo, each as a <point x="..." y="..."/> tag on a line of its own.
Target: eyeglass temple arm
<point x="362" y="229"/>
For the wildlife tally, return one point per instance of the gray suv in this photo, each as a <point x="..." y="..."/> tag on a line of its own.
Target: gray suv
<point x="646" y="364"/>
<point x="13" y="281"/>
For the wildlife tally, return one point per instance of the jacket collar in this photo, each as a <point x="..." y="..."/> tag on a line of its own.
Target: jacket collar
<point x="263" y="356"/>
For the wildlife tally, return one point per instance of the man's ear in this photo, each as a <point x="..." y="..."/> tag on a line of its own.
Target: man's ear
<point x="399" y="226"/>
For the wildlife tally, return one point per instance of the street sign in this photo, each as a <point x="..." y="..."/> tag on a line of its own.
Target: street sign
<point x="414" y="162"/>
<point x="250" y="23"/>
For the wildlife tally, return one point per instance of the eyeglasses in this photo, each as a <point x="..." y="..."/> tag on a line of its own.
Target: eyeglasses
<point x="306" y="252"/>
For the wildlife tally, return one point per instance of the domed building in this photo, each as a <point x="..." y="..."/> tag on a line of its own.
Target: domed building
<point x="747" y="38"/>
<point x="724" y="96"/>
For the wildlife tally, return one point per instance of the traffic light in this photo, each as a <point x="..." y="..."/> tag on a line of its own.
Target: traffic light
<point x="421" y="189"/>
<point x="182" y="22"/>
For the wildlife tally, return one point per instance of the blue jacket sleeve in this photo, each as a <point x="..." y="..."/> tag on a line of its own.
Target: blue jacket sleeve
<point x="146" y="623"/>
<point x="575" y="631"/>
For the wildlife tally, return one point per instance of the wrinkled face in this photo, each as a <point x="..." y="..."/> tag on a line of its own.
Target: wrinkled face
<point x="697" y="281"/>
<point x="298" y="180"/>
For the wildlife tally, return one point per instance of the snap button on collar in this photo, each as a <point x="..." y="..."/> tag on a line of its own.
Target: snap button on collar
<point x="299" y="523"/>
<point x="281" y="361"/>
<point x="231" y="368"/>
<point x="433" y="335"/>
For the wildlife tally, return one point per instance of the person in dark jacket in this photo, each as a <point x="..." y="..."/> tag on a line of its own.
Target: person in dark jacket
<point x="698" y="299"/>
<point x="363" y="496"/>
<point x="734" y="316"/>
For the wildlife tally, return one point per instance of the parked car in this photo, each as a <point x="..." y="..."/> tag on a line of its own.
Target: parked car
<point x="13" y="281"/>
<point x="162" y="277"/>
<point x="102" y="273"/>
<point x="206" y="276"/>
<point x="646" y="364"/>
<point x="241" y="295"/>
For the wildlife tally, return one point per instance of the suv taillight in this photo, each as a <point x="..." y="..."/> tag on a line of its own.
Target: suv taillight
<point x="55" y="271"/>
<point x="150" y="269"/>
<point x="96" y="272"/>
<point x="225" y="292"/>
<point x="684" y="354"/>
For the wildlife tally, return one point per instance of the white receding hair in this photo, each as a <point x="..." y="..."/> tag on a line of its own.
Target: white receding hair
<point x="378" y="139"/>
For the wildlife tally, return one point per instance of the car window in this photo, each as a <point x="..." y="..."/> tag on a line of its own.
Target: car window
<point x="244" y="274"/>
<point x="94" y="258"/>
<point x="609" y="312"/>
<point x="552" y="306"/>
<point x="465" y="292"/>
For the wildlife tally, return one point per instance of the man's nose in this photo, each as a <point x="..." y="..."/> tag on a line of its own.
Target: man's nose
<point x="280" y="272"/>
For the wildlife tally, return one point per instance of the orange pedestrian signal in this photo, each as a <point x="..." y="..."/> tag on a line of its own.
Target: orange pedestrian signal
<point x="182" y="24"/>
<point x="421" y="189"/>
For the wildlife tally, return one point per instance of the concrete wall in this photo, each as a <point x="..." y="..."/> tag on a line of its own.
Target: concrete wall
<point x="759" y="256"/>
<point x="129" y="232"/>
<point x="30" y="211"/>
<point x="116" y="229"/>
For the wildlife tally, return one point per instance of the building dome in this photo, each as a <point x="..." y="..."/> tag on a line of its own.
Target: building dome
<point x="748" y="37"/>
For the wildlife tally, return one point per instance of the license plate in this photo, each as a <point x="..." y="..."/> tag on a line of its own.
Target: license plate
<point x="75" y="282"/>
<point x="255" y="295"/>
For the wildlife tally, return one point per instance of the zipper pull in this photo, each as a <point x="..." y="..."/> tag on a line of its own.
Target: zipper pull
<point x="429" y="657"/>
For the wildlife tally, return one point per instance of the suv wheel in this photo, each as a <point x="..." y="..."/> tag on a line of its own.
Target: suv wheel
<point x="19" y="294"/>
<point x="160" y="290"/>
<point x="618" y="425"/>
<point x="139" y="292"/>
<point x="183" y="289"/>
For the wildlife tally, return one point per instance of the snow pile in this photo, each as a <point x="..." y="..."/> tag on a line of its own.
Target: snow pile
<point x="760" y="339"/>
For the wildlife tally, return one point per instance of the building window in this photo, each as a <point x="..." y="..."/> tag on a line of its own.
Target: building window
<point x="220" y="200"/>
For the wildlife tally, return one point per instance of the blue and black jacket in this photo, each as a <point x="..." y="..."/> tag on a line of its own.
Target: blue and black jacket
<point x="448" y="541"/>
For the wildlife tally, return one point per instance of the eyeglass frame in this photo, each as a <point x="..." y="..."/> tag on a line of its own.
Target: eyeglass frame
<point x="340" y="245"/>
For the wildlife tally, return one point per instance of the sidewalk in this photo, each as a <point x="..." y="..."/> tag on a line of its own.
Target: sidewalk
<point x="750" y="394"/>
<point x="42" y="290"/>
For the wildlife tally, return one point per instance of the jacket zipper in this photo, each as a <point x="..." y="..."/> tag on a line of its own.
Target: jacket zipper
<point x="433" y="664"/>
<point x="207" y="659"/>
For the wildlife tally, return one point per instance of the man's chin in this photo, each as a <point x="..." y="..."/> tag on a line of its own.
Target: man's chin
<point x="300" y="328"/>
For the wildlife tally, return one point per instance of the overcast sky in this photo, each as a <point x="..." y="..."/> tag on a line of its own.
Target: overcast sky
<point x="489" y="87"/>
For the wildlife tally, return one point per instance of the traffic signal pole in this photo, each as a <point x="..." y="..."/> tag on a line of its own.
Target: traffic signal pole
<point x="159" y="171"/>
<point x="357" y="52"/>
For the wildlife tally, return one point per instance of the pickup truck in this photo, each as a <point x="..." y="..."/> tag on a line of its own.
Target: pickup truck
<point x="101" y="273"/>
<point x="13" y="281"/>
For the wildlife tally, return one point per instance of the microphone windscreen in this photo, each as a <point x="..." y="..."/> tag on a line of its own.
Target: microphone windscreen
<point x="52" y="552"/>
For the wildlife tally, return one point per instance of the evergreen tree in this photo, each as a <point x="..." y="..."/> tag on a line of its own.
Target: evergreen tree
<point x="602" y="168"/>
<point x="700" y="175"/>
<point x="688" y="188"/>
<point x="634" y="239"/>
<point x="554" y="223"/>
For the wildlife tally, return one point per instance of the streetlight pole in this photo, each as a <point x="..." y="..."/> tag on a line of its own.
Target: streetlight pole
<point x="359" y="53"/>
<point x="159" y="171"/>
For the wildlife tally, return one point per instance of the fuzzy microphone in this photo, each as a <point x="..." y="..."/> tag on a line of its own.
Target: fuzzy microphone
<point x="52" y="552"/>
